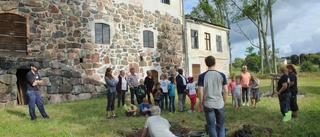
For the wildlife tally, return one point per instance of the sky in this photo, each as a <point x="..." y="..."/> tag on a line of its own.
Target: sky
<point x="296" y="28"/>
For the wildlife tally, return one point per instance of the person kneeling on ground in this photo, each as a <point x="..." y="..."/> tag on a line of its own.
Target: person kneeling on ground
<point x="145" y="108"/>
<point x="130" y="109"/>
<point x="156" y="125"/>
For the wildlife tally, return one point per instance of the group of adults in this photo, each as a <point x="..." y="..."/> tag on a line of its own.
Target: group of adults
<point x="286" y="90"/>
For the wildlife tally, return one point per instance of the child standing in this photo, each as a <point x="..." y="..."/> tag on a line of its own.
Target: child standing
<point x="231" y="87"/>
<point x="171" y="89"/>
<point x="164" y="85"/>
<point x="142" y="90"/>
<point x="254" y="84"/>
<point x="237" y="91"/>
<point x="191" y="90"/>
<point x="157" y="93"/>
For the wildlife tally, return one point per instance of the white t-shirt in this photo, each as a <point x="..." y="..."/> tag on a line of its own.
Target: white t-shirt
<point x="158" y="127"/>
<point x="124" y="85"/>
<point x="192" y="88"/>
<point x="164" y="85"/>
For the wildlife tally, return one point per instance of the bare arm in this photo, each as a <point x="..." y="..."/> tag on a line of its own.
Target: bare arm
<point x="145" y="132"/>
<point x="225" y="88"/>
<point x="200" y="90"/>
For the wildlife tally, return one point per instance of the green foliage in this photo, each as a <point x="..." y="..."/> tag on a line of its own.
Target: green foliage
<point x="238" y="63"/>
<point x="253" y="62"/>
<point x="307" y="66"/>
<point x="295" y="59"/>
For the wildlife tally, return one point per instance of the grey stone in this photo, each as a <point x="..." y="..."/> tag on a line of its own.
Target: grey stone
<point x="101" y="89"/>
<point x="49" y="72"/>
<point x="57" y="72"/>
<point x="55" y="98"/>
<point x="3" y="88"/>
<point x="88" y="88"/>
<point x="56" y="80"/>
<point x="64" y="88"/>
<point x="39" y="9"/>
<point x="95" y="82"/>
<point x="93" y="10"/>
<point x="76" y="89"/>
<point x="63" y="67"/>
<point x="76" y="74"/>
<point x="65" y="80"/>
<point x="84" y="96"/>
<point x="3" y="71"/>
<point x="54" y="64"/>
<point x="24" y="10"/>
<point x="45" y="81"/>
<point x="84" y="20"/>
<point x="12" y="71"/>
<point x="74" y="81"/>
<point x="67" y="74"/>
<point x="8" y="79"/>
<point x="58" y="34"/>
<point x="52" y="89"/>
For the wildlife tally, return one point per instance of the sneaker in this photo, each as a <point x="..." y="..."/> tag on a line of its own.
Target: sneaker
<point x="247" y="104"/>
<point x="47" y="117"/>
<point x="287" y="117"/>
<point x="243" y="104"/>
<point x="189" y="111"/>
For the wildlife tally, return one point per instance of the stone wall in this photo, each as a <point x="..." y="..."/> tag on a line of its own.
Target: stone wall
<point x="61" y="34"/>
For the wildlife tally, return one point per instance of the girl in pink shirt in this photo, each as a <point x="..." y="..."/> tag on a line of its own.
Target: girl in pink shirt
<point x="231" y="87"/>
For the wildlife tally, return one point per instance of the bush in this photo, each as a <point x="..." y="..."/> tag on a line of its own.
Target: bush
<point x="307" y="66"/>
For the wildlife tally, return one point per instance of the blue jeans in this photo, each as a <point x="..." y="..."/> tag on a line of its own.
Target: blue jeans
<point x="111" y="98"/>
<point x="215" y="122"/>
<point x="172" y="108"/>
<point x="164" y="100"/>
<point x="284" y="100"/>
<point x="35" y="99"/>
<point x="245" y="95"/>
<point x="134" y="91"/>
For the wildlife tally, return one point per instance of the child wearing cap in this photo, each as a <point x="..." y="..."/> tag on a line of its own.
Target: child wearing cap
<point x="191" y="91"/>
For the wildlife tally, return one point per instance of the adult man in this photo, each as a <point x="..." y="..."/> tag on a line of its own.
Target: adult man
<point x="181" y="88"/>
<point x="157" y="126"/>
<point x="210" y="85"/>
<point x="133" y="84"/>
<point x="33" y="80"/>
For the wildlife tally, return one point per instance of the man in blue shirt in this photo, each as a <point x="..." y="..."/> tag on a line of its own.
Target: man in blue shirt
<point x="33" y="80"/>
<point x="210" y="85"/>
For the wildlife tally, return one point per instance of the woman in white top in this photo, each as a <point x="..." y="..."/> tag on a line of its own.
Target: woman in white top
<point x="122" y="88"/>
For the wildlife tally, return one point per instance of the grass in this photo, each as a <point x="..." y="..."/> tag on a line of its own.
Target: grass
<point x="87" y="117"/>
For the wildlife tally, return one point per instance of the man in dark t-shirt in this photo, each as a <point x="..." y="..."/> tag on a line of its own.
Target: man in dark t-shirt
<point x="33" y="80"/>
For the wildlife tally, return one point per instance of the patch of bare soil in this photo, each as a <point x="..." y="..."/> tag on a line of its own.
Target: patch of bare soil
<point x="175" y="129"/>
<point x="254" y="131"/>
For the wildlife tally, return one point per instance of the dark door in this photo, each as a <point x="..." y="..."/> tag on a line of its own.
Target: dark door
<point x="13" y="39"/>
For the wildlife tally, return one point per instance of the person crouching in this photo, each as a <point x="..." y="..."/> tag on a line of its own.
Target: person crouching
<point x="130" y="109"/>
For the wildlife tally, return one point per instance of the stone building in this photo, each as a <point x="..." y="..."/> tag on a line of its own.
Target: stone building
<point x="204" y="39"/>
<point x="74" y="41"/>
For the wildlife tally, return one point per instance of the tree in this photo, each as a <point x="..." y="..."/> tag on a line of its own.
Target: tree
<point x="307" y="66"/>
<point x="215" y="11"/>
<point x="294" y="59"/>
<point x="303" y="57"/>
<point x="252" y="61"/>
<point x="238" y="63"/>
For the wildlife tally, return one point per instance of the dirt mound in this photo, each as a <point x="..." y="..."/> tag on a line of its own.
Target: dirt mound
<point x="175" y="129"/>
<point x="253" y="130"/>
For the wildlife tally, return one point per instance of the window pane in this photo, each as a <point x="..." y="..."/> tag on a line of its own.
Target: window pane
<point x="150" y="39"/>
<point x="219" y="44"/>
<point x="194" y="39"/>
<point x="98" y="33"/>
<point x="106" y="34"/>
<point x="145" y="38"/>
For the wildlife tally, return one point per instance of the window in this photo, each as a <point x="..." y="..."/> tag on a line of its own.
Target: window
<point x="219" y="44"/>
<point x="102" y="33"/>
<point x="165" y="1"/>
<point x="148" y="39"/>
<point x="194" y="39"/>
<point x="13" y="34"/>
<point x="208" y="42"/>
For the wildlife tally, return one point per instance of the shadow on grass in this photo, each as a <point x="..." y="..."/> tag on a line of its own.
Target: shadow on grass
<point x="16" y="113"/>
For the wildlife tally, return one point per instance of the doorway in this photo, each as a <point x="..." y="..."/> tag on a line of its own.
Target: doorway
<point x="195" y="71"/>
<point x="22" y="86"/>
<point x="155" y="76"/>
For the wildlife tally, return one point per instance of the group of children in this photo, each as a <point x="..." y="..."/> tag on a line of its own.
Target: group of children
<point x="164" y="97"/>
<point x="236" y="92"/>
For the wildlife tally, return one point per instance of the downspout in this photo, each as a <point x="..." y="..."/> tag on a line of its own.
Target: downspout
<point x="185" y="45"/>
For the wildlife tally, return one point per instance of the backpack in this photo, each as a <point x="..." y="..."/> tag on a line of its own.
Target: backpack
<point x="142" y="91"/>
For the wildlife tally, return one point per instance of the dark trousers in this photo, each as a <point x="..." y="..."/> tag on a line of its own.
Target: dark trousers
<point x="111" y="99"/>
<point x="148" y="113"/>
<point x="293" y="102"/>
<point x="35" y="99"/>
<point x="164" y="100"/>
<point x="284" y="101"/>
<point x="172" y="107"/>
<point x="245" y="95"/>
<point x="121" y="97"/>
<point x="134" y="92"/>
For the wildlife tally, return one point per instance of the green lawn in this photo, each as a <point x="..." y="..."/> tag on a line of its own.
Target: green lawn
<point x="87" y="118"/>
